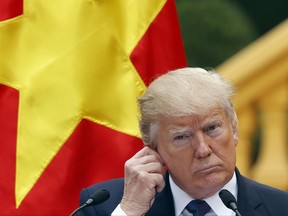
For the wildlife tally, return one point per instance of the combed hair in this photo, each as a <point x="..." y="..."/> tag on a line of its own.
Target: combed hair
<point x="182" y="92"/>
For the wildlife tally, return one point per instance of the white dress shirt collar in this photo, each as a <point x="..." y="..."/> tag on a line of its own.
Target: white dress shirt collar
<point x="181" y="198"/>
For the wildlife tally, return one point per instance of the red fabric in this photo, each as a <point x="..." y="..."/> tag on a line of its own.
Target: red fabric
<point x="161" y="49"/>
<point x="93" y="153"/>
<point x="8" y="133"/>
<point x="10" y="9"/>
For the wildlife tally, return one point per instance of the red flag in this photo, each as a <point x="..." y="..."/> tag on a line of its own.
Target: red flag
<point x="70" y="72"/>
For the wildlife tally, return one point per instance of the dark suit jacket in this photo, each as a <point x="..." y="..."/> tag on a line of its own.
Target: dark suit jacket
<point x="254" y="199"/>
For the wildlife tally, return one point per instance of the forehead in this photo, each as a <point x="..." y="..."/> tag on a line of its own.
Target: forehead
<point x="217" y="114"/>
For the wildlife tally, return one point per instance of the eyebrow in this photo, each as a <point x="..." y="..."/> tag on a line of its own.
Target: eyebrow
<point x="207" y="121"/>
<point x="212" y="120"/>
<point x="178" y="129"/>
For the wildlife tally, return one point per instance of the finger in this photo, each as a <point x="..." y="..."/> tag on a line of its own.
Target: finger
<point x="159" y="182"/>
<point x="154" y="167"/>
<point x="142" y="170"/>
<point x="148" y="159"/>
<point x="147" y="151"/>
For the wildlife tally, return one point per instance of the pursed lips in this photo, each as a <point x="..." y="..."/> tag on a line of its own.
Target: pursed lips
<point x="206" y="168"/>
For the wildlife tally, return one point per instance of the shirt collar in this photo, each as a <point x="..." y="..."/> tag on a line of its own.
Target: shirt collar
<point x="181" y="198"/>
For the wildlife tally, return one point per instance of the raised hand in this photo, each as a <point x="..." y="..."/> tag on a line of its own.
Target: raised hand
<point x="143" y="179"/>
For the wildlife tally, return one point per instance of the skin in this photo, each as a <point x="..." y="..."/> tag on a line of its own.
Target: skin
<point x="198" y="151"/>
<point x="143" y="179"/>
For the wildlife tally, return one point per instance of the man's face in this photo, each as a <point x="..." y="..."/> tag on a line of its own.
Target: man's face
<point x="199" y="151"/>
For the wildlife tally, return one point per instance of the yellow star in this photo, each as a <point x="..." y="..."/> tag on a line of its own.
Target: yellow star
<point x="69" y="59"/>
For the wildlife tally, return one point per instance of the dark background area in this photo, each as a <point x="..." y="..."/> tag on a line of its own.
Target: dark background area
<point x="214" y="30"/>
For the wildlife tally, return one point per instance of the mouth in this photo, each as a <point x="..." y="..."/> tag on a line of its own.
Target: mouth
<point x="207" y="169"/>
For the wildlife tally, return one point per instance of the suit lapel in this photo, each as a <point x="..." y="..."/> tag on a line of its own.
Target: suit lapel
<point x="163" y="204"/>
<point x="249" y="203"/>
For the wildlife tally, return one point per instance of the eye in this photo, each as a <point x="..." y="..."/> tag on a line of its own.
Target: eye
<point x="180" y="137"/>
<point x="212" y="128"/>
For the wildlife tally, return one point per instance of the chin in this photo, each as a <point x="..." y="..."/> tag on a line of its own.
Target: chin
<point x="214" y="183"/>
<point x="205" y="187"/>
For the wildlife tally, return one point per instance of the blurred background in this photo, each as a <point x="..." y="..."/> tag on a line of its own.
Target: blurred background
<point x="214" y="30"/>
<point x="247" y="42"/>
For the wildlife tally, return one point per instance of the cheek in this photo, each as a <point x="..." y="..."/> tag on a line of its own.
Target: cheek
<point x="176" y="160"/>
<point x="225" y="148"/>
<point x="169" y="154"/>
<point x="166" y="154"/>
<point x="227" y="153"/>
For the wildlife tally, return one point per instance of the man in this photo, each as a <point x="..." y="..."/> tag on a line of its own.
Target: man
<point x="189" y="128"/>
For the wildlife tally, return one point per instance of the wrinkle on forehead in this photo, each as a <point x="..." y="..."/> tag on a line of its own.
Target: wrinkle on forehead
<point x="194" y="118"/>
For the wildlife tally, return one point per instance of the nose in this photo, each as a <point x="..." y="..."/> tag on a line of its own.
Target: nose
<point x="202" y="148"/>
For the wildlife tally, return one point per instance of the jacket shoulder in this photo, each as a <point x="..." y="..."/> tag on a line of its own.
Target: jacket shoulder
<point x="268" y="193"/>
<point x="114" y="186"/>
<point x="261" y="198"/>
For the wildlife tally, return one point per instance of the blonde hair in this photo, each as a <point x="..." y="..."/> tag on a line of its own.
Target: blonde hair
<point x="183" y="92"/>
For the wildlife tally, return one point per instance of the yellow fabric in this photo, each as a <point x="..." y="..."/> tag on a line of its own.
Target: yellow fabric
<point x="69" y="59"/>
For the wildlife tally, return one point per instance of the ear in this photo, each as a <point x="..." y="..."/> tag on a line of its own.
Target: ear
<point x="235" y="129"/>
<point x="235" y="135"/>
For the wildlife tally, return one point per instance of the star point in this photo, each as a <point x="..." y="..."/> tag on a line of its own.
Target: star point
<point x="70" y="60"/>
